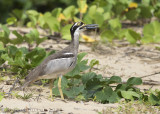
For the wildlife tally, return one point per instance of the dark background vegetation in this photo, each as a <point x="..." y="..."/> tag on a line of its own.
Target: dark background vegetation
<point x="6" y="6"/>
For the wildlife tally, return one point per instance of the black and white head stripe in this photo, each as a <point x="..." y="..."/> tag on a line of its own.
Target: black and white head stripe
<point x="75" y="26"/>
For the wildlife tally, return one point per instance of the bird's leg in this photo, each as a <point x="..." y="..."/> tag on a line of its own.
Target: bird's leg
<point x="51" y="87"/>
<point x="59" y="87"/>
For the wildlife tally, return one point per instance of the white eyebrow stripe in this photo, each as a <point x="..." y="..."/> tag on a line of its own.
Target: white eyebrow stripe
<point x="74" y="25"/>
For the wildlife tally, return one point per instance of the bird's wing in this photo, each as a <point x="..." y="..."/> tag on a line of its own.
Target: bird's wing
<point x="60" y="65"/>
<point x="53" y="64"/>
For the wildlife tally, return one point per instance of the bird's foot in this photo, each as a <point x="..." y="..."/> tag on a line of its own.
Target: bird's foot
<point x="51" y="98"/>
<point x="51" y="95"/>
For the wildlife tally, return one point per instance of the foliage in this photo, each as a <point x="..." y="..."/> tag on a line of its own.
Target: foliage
<point x="29" y="38"/>
<point x="111" y="14"/>
<point x="151" y="33"/>
<point x="91" y="86"/>
<point x="20" y="59"/>
<point x="23" y="5"/>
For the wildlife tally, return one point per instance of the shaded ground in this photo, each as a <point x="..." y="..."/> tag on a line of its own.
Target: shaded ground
<point x="122" y="60"/>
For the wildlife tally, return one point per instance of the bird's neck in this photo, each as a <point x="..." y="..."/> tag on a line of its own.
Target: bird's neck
<point x="75" y="42"/>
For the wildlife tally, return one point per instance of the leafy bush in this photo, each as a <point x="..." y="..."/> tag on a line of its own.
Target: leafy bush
<point x="21" y="60"/>
<point x="151" y="33"/>
<point x="91" y="86"/>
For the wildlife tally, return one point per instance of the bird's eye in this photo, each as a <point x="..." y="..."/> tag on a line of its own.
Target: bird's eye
<point x="78" y="24"/>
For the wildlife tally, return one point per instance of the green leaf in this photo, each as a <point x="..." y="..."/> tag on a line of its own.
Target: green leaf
<point x="81" y="56"/>
<point x="40" y="40"/>
<point x="101" y="96"/>
<point x="7" y="58"/>
<point x="79" y="68"/>
<point x="19" y="38"/>
<point x="4" y="36"/>
<point x="114" y="79"/>
<point x="115" y="24"/>
<point x="51" y="22"/>
<point x="129" y="94"/>
<point x="36" y="56"/>
<point x="64" y="82"/>
<point x="17" y="13"/>
<point x="91" y="11"/>
<point x="70" y="12"/>
<point x="93" y="63"/>
<point x="100" y="10"/>
<point x="134" y="81"/>
<point x="88" y="76"/>
<point x="107" y="35"/>
<point x="98" y="20"/>
<point x="41" y="21"/>
<point x="110" y="95"/>
<point x="145" y="11"/>
<point x="66" y="32"/>
<point x="24" y="50"/>
<point x="151" y="32"/>
<point x="121" y="87"/>
<point x="32" y="12"/>
<point x="6" y="30"/>
<point x="11" y="20"/>
<point x="11" y="50"/>
<point x="81" y="5"/>
<point x="106" y="95"/>
<point x="113" y="97"/>
<point x="132" y="36"/>
<point x="29" y="38"/>
<point x="19" y="61"/>
<point x="33" y="36"/>
<point x="118" y="8"/>
<point x="74" y="91"/>
<point x="33" y="16"/>
<point x="87" y="19"/>
<point x="93" y="85"/>
<point x="130" y="14"/>
<point x="122" y="33"/>
<point x="2" y="46"/>
<point x="107" y="15"/>
<point x="80" y="98"/>
<point x="153" y="99"/>
<point x="56" y="12"/>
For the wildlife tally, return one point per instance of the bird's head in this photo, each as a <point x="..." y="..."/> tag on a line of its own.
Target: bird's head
<point x="78" y="27"/>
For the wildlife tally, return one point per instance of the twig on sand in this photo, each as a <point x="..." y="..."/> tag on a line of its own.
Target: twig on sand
<point x="13" y="86"/>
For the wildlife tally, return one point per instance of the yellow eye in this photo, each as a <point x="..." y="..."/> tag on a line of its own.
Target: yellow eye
<point x="78" y="23"/>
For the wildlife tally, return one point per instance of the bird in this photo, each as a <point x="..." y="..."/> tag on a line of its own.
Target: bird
<point x="59" y="63"/>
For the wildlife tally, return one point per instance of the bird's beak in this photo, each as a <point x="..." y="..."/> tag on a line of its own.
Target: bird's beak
<point x="89" y="26"/>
